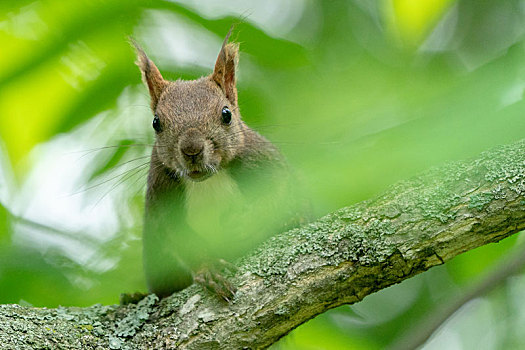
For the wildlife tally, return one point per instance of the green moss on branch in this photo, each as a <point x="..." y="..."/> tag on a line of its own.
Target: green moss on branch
<point x="299" y="274"/>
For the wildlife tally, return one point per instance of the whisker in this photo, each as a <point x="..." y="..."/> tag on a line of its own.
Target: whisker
<point x="141" y="189"/>
<point x="106" y="181"/>
<point x="262" y="126"/>
<point x="121" y="181"/>
<point x="129" y="161"/>
<point x="89" y="151"/>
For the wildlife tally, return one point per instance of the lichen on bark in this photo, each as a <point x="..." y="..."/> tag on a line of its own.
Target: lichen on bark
<point x="295" y="275"/>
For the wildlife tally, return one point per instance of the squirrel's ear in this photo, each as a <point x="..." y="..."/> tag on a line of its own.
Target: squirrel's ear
<point x="224" y="72"/>
<point x="150" y="75"/>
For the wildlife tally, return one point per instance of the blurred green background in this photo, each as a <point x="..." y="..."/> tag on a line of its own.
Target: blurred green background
<point x="358" y="94"/>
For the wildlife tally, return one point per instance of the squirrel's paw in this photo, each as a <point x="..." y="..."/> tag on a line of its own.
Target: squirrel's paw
<point x="212" y="279"/>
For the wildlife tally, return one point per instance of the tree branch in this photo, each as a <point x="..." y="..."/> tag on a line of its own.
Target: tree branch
<point x="421" y="332"/>
<point x="296" y="275"/>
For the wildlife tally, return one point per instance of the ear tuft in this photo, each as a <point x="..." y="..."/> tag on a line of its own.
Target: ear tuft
<point x="150" y="74"/>
<point x="224" y="72"/>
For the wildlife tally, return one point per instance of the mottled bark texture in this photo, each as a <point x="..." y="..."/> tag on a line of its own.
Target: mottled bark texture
<point x="339" y="259"/>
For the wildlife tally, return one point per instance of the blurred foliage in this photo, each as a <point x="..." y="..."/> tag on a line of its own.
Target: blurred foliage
<point x="358" y="94"/>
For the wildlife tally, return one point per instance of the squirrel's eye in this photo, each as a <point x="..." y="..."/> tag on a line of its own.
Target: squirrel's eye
<point x="156" y="124"/>
<point x="226" y="115"/>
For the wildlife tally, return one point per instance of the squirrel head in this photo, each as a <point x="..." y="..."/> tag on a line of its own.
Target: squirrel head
<point x="197" y="123"/>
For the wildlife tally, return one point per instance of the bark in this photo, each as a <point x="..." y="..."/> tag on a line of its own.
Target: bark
<point x="296" y="275"/>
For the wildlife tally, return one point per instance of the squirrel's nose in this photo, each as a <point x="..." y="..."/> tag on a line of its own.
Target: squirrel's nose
<point x="192" y="149"/>
<point x="192" y="143"/>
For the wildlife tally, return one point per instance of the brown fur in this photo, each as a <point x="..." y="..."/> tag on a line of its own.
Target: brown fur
<point x="194" y="145"/>
<point x="150" y="75"/>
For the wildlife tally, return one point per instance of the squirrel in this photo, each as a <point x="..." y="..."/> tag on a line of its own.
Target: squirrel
<point x="215" y="188"/>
